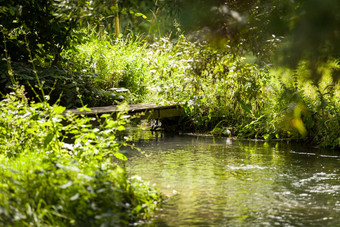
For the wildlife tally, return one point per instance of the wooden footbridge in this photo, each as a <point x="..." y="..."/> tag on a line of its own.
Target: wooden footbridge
<point x="144" y="111"/>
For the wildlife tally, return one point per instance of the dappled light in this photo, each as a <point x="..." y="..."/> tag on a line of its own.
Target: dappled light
<point x="215" y="182"/>
<point x="78" y="77"/>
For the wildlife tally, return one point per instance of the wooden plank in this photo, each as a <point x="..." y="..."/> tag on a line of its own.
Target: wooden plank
<point x="147" y="111"/>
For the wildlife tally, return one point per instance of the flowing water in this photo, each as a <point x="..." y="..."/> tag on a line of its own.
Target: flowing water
<point x="223" y="182"/>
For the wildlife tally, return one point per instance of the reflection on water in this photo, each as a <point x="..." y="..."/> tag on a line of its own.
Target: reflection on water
<point x="223" y="182"/>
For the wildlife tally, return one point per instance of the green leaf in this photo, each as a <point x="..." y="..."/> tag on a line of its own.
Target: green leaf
<point x="59" y="109"/>
<point x="123" y="11"/>
<point x="120" y="156"/>
<point x="84" y="108"/>
<point x="111" y="124"/>
<point x="48" y="139"/>
<point x="266" y="136"/>
<point x="140" y="15"/>
<point x="91" y="135"/>
<point x="121" y="128"/>
<point x="105" y="116"/>
<point x="246" y="107"/>
<point x="35" y="117"/>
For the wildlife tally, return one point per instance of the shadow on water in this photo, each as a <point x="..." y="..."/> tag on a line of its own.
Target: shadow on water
<point x="223" y="182"/>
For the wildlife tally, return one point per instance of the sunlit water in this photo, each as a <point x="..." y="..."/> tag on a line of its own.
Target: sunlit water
<point x="223" y="182"/>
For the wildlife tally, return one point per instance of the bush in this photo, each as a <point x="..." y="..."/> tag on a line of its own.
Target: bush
<point x="229" y="96"/>
<point x="296" y="108"/>
<point x="45" y="181"/>
<point x="71" y="89"/>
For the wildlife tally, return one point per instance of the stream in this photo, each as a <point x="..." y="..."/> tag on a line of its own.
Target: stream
<point x="214" y="181"/>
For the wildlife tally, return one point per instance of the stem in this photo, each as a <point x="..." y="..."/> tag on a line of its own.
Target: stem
<point x="34" y="70"/>
<point x="8" y="60"/>
<point x="117" y="19"/>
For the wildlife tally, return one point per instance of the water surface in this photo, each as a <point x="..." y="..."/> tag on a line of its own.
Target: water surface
<point x="224" y="182"/>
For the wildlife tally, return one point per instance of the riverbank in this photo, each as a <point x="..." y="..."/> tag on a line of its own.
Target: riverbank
<point x="45" y="183"/>
<point x="221" y="92"/>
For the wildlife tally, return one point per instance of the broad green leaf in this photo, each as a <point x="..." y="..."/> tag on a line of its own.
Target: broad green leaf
<point x="120" y="156"/>
<point x="59" y="109"/>
<point x="111" y="124"/>
<point x="35" y="117"/>
<point x="121" y="128"/>
<point x="91" y="135"/>
<point x="48" y="139"/>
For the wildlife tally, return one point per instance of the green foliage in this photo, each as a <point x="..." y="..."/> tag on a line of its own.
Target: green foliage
<point x="296" y="108"/>
<point x="115" y="64"/>
<point x="46" y="25"/>
<point x="302" y="30"/>
<point x="49" y="27"/>
<point x="214" y="84"/>
<point x="321" y="18"/>
<point x="69" y="87"/>
<point x="46" y="181"/>
<point x="222" y="92"/>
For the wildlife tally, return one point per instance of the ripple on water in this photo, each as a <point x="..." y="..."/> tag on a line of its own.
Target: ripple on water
<point x="218" y="183"/>
<point x="246" y="167"/>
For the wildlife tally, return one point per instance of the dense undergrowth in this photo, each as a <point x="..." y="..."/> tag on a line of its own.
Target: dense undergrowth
<point x="48" y="182"/>
<point x="223" y="93"/>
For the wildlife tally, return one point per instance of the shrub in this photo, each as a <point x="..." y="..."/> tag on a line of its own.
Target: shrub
<point x="67" y="87"/>
<point x="45" y="181"/>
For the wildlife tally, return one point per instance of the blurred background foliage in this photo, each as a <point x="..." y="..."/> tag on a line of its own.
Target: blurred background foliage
<point x="296" y="31"/>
